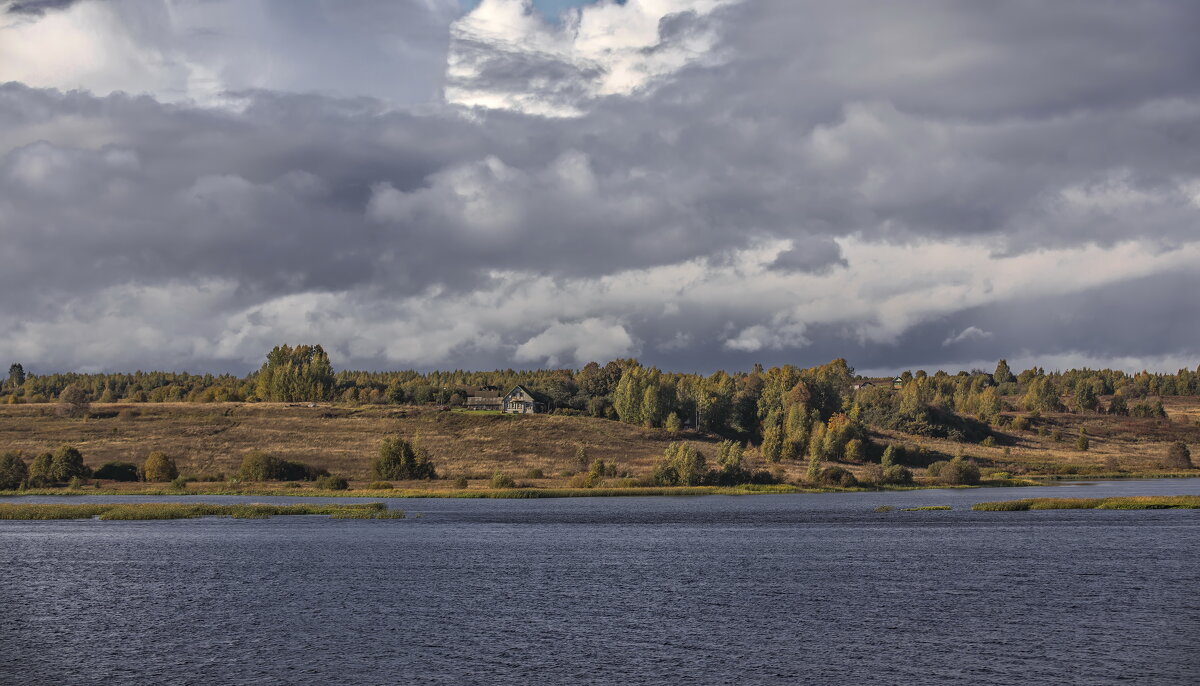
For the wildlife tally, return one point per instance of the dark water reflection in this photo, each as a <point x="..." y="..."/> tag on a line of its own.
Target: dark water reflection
<point x="765" y="589"/>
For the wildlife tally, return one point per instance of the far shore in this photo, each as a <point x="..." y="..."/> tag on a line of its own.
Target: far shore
<point x="304" y="490"/>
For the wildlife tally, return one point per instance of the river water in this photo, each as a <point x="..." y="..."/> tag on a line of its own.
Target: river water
<point x="815" y="589"/>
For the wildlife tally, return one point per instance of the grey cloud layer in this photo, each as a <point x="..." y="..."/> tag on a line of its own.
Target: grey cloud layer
<point x="441" y="237"/>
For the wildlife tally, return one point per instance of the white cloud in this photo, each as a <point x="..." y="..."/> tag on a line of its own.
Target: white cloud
<point x="177" y="50"/>
<point x="506" y="55"/>
<point x="593" y="338"/>
<point x="971" y="333"/>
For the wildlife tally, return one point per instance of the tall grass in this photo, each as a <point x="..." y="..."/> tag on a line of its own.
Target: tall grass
<point x="1178" y="502"/>
<point x="146" y="511"/>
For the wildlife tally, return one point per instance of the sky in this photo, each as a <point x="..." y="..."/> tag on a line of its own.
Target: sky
<point x="701" y="184"/>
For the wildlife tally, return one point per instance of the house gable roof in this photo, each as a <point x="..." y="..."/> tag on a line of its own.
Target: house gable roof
<point x="538" y="397"/>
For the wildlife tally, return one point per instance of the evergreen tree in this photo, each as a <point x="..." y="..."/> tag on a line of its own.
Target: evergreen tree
<point x="1003" y="374"/>
<point x="889" y="456"/>
<point x="16" y="376"/>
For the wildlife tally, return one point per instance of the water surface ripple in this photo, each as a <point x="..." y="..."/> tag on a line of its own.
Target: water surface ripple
<point x="713" y="590"/>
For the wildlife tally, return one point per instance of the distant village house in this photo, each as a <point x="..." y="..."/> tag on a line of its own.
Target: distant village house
<point x="519" y="400"/>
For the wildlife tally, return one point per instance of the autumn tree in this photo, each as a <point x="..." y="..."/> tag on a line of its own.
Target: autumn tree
<point x="66" y="464"/>
<point x="13" y="471"/>
<point x="160" y="467"/>
<point x="298" y="374"/>
<point x="1178" y="456"/>
<point x="39" y="470"/>
<point x="680" y="465"/>
<point x="72" y="402"/>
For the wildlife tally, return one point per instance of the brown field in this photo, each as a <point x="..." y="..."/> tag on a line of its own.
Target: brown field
<point x="1132" y="444"/>
<point x="207" y="439"/>
<point x="210" y="439"/>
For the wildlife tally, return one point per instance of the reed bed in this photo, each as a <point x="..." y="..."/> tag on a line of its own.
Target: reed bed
<point x="1178" y="502"/>
<point x="925" y="508"/>
<point x="148" y="511"/>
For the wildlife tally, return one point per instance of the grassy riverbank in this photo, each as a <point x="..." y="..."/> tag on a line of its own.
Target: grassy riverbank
<point x="294" y="489"/>
<point x="207" y="441"/>
<point x="1179" y="502"/>
<point x="142" y="511"/>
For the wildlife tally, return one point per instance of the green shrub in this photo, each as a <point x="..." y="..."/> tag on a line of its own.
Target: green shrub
<point x="380" y="486"/>
<point x="67" y="464"/>
<point x="837" y="477"/>
<point x="502" y="480"/>
<point x="400" y="460"/>
<point x="959" y="472"/>
<point x="332" y="483"/>
<point x="988" y="442"/>
<point x="897" y="475"/>
<point x="159" y="467"/>
<point x="872" y="474"/>
<point x="935" y="468"/>
<point x="535" y="474"/>
<point x="258" y="465"/>
<point x="179" y="483"/>
<point x="117" y="471"/>
<point x="460" y="482"/>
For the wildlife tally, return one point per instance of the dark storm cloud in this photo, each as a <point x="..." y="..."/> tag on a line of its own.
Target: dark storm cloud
<point x="37" y="8"/>
<point x="1014" y="127"/>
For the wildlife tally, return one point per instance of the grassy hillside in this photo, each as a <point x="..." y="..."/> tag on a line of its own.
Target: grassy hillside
<point x="209" y="439"/>
<point x="1127" y="444"/>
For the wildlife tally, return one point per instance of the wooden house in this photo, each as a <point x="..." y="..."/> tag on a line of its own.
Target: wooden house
<point x="521" y="400"/>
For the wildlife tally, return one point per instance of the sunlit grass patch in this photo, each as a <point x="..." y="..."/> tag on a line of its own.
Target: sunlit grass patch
<point x="153" y="511"/>
<point x="924" y="508"/>
<point x="1178" y="502"/>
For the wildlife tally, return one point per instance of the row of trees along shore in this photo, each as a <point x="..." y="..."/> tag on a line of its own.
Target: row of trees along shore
<point x="792" y="413"/>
